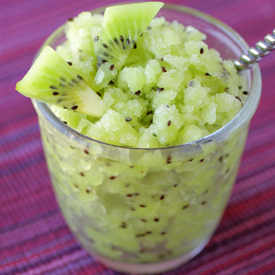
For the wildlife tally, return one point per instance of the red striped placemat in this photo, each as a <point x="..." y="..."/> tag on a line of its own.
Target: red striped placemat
<point x="34" y="238"/>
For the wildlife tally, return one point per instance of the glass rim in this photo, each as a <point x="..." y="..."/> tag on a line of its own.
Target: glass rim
<point x="241" y="118"/>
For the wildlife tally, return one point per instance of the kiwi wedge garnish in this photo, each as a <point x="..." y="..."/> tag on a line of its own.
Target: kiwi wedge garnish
<point x="53" y="80"/>
<point x="121" y="28"/>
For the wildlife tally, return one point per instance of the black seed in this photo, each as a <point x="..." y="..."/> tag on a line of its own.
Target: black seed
<point x="185" y="206"/>
<point x="160" y="89"/>
<point x="79" y="77"/>
<point x="116" y="41"/>
<point x="123" y="225"/>
<point x="137" y="92"/>
<point x="149" y="232"/>
<point x="112" y="67"/>
<point x="149" y="112"/>
<point x="129" y="195"/>
<point x="207" y="74"/>
<point x="201" y="51"/>
<point x="65" y="108"/>
<point x="201" y="160"/>
<point x="65" y="122"/>
<point x="151" y="121"/>
<point x="113" y="177"/>
<point x="220" y="159"/>
<point x="55" y="93"/>
<point x="191" y="159"/>
<point x="70" y="19"/>
<point x="169" y="123"/>
<point x="99" y="94"/>
<point x="175" y="185"/>
<point x="238" y="98"/>
<point x="142" y="205"/>
<point x="203" y="203"/>
<point x="162" y="59"/>
<point x="240" y="87"/>
<point x="105" y="46"/>
<point x="245" y="92"/>
<point x="81" y="174"/>
<point x="121" y="38"/>
<point x="96" y="38"/>
<point x="128" y="41"/>
<point x="162" y="233"/>
<point x="140" y="235"/>
<point x="53" y="87"/>
<point x="136" y="194"/>
<point x="168" y="160"/>
<point x="162" y="197"/>
<point x="70" y="63"/>
<point x="104" y="61"/>
<point x="86" y="151"/>
<point x="132" y="166"/>
<point x="74" y="107"/>
<point x="167" y="106"/>
<point x="143" y="220"/>
<point x="87" y="191"/>
<point x="163" y="69"/>
<point x="111" y="82"/>
<point x="135" y="44"/>
<point x="156" y="219"/>
<point x="128" y="119"/>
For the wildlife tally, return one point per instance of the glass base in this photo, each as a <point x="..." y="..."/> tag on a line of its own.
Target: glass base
<point x="152" y="268"/>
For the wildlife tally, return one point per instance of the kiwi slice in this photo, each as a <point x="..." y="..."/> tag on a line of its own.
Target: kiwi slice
<point x="122" y="26"/>
<point x="52" y="80"/>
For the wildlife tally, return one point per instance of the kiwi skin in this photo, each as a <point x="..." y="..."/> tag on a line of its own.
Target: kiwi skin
<point x="121" y="28"/>
<point x="52" y="80"/>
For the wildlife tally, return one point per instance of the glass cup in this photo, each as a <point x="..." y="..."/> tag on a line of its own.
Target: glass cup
<point x="149" y="210"/>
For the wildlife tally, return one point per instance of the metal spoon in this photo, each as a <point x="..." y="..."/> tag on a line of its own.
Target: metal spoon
<point x="256" y="54"/>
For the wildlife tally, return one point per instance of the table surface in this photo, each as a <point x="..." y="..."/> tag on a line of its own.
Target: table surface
<point x="34" y="238"/>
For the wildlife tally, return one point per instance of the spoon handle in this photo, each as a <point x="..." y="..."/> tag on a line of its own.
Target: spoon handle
<point x="256" y="54"/>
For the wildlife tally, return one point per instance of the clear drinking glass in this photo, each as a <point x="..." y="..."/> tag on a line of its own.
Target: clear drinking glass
<point x="149" y="210"/>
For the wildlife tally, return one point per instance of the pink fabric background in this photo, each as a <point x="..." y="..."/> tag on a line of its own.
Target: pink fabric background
<point x="34" y="238"/>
